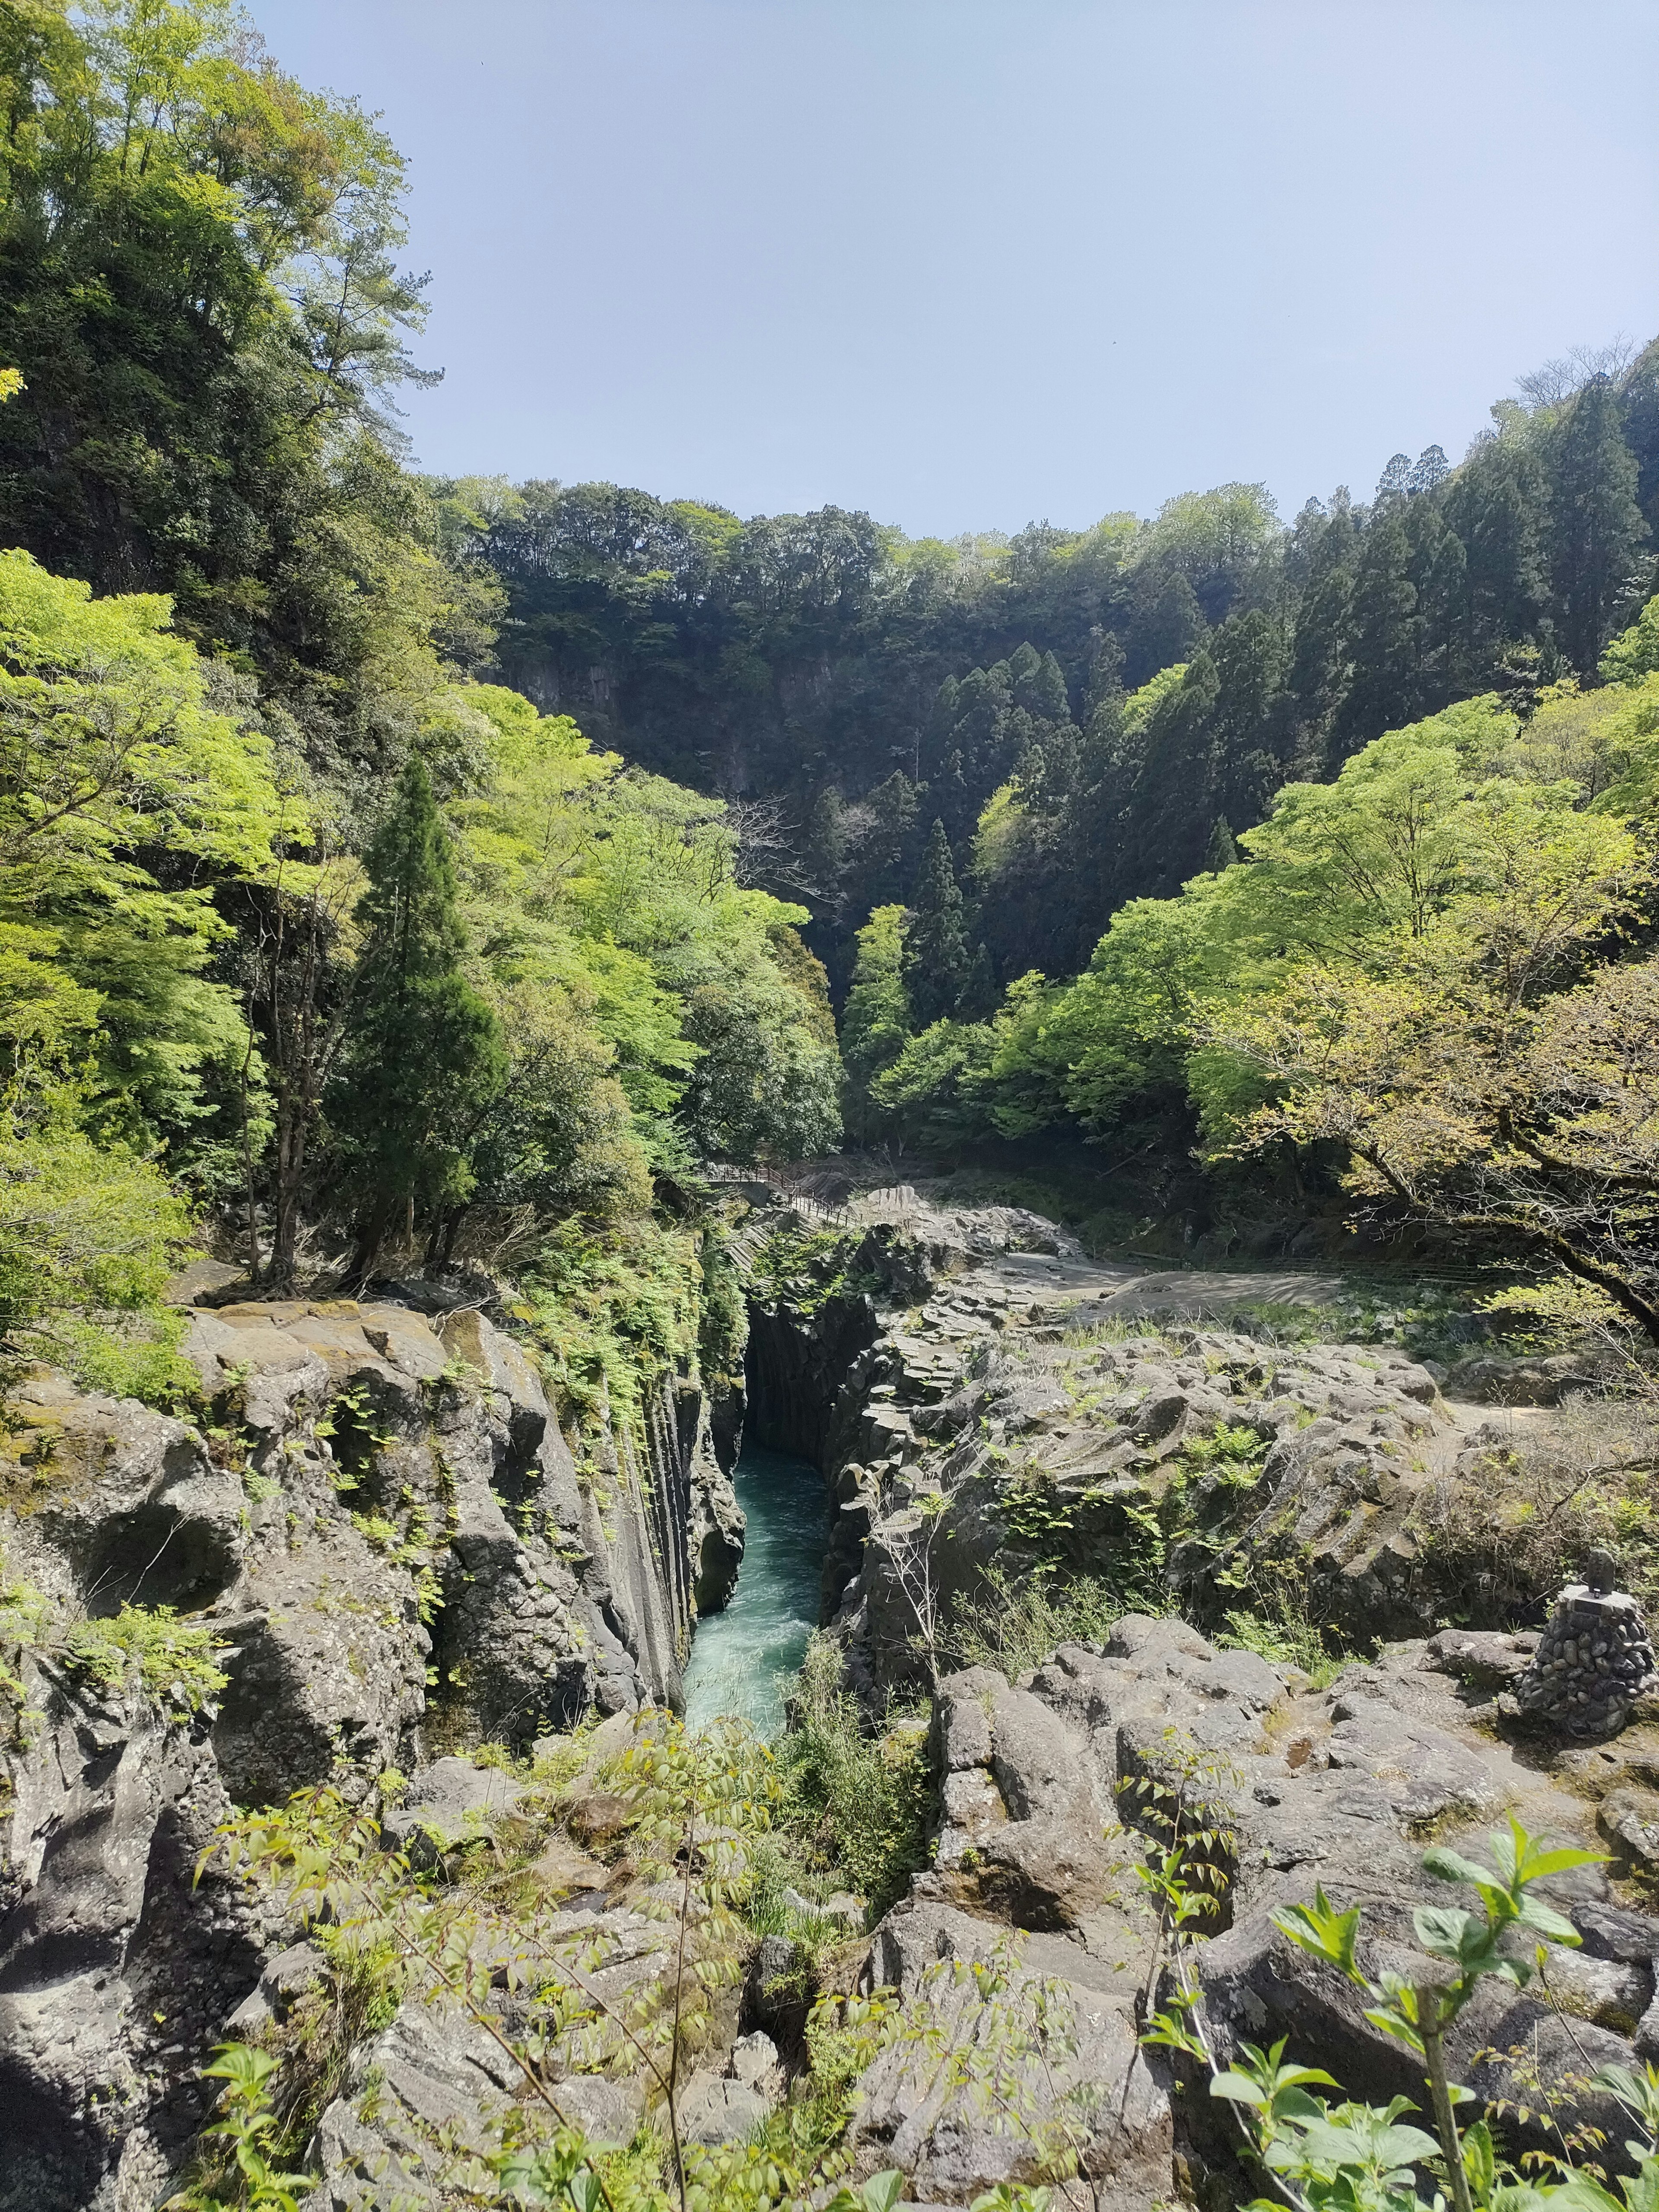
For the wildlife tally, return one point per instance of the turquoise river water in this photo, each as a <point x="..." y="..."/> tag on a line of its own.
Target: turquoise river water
<point x="740" y="1657"/>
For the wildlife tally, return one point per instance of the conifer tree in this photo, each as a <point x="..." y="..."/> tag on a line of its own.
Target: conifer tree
<point x="978" y="1001"/>
<point x="1495" y="505"/>
<point x="1322" y="660"/>
<point x="1384" y="636"/>
<point x="424" y="1051"/>
<point x="1025" y="676"/>
<point x="936" y="949"/>
<point x="1429" y="471"/>
<point x="1641" y="398"/>
<point x="1165" y="834"/>
<point x="1053" y="700"/>
<point x="1596" y="527"/>
<point x="1250" y="725"/>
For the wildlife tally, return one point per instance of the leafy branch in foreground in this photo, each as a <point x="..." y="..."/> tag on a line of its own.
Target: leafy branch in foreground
<point x="1364" y="2158"/>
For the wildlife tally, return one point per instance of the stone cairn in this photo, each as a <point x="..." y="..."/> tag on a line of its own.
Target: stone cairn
<point x="1594" y="1660"/>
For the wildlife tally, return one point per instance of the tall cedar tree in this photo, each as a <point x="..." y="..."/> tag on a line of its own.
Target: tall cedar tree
<point x="425" y="1051"/>
<point x="936" y="950"/>
<point x="1597" y="527"/>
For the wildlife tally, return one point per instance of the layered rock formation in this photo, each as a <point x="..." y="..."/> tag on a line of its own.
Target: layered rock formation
<point x="403" y="1556"/>
<point x="1027" y="1956"/>
<point x="387" y="1533"/>
<point x="1060" y="1410"/>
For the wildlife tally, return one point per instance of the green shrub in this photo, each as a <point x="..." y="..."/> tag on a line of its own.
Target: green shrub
<point x="89" y="1234"/>
<point x="138" y="1358"/>
<point x="171" y="1661"/>
<point x="1016" y="1628"/>
<point x="82" y="1224"/>
<point x="1287" y="1638"/>
<point x="858" y="1803"/>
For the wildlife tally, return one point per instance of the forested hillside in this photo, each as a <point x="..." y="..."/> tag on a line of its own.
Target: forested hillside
<point x="322" y="940"/>
<point x="313" y="947"/>
<point x="989" y="765"/>
<point x="870" y="684"/>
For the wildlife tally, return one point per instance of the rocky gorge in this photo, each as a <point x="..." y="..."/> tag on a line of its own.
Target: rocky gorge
<point x="403" y="1562"/>
<point x="392" y="1546"/>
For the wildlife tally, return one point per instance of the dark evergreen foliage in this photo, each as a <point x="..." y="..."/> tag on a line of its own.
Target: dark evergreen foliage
<point x="424" y="1053"/>
<point x="936" y="949"/>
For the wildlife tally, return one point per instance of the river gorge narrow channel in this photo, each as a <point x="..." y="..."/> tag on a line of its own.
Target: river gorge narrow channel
<point x="740" y="1657"/>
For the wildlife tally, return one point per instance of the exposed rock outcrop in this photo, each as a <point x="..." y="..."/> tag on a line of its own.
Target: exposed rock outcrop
<point x="1066" y="1427"/>
<point x="1025" y="1956"/>
<point x="386" y="1532"/>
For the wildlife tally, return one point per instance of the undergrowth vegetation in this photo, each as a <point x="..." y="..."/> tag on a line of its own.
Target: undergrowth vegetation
<point x="1016" y="1623"/>
<point x="168" y="1661"/>
<point x="858" y="1801"/>
<point x="478" y="1937"/>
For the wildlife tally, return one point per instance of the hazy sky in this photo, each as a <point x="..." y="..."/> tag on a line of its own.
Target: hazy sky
<point x="971" y="263"/>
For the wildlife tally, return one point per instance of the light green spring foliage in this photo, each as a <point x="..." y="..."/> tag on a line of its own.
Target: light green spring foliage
<point x="488" y="1920"/>
<point x="1454" y="826"/>
<point x="82" y="1225"/>
<point x="143" y="1650"/>
<point x="875" y="1021"/>
<point x="113" y="1038"/>
<point x="170" y="1661"/>
<point x="650" y="1007"/>
<point x="111" y="745"/>
<point x="1366" y="2156"/>
<point x="1635" y="653"/>
<point x="614" y="896"/>
<point x="858" y="1802"/>
<point x="1015" y="1627"/>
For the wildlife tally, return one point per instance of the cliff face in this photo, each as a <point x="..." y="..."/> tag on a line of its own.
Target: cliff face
<point x="387" y="1532"/>
<point x="983" y="1400"/>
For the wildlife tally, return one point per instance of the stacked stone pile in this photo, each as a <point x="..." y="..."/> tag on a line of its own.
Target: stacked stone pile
<point x="1592" y="1663"/>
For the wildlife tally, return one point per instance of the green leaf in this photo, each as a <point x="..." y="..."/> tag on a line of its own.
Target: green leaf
<point x="1535" y="1914"/>
<point x="1238" y="2089"/>
<point x="1451" y="1866"/>
<point x="1441" y="1930"/>
<point x="1318" y="1928"/>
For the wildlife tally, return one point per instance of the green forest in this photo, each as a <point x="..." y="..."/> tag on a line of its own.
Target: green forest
<point x="402" y="872"/>
<point x="518" y="999"/>
<point x="1199" y="841"/>
<point x="318" y="944"/>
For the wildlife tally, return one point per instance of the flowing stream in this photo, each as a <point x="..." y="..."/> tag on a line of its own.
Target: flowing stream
<point x="740" y="1657"/>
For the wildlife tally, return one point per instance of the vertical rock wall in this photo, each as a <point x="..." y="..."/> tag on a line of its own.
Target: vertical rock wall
<point x="387" y="1530"/>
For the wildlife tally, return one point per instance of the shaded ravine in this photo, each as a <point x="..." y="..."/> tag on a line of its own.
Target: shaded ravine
<point x="741" y="1656"/>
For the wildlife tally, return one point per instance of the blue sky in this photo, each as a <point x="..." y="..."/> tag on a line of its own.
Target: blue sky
<point x="969" y="264"/>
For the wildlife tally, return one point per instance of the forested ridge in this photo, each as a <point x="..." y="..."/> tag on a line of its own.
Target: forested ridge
<point x="992" y="765"/>
<point x="352" y="918"/>
<point x="870" y="683"/>
<point x="315" y="948"/>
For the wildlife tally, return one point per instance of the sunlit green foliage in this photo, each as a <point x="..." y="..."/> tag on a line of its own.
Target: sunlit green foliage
<point x="857" y="1799"/>
<point x="171" y="1662"/>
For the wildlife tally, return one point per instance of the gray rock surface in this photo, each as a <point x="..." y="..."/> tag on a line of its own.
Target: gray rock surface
<point x="1052" y="2028"/>
<point x="450" y="1803"/>
<point x="384" y="1529"/>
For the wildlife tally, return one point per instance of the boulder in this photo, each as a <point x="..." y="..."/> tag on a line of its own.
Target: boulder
<point x="716" y="2109"/>
<point x="1486" y="1657"/>
<point x="446" y="1805"/>
<point x="1003" y="2058"/>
